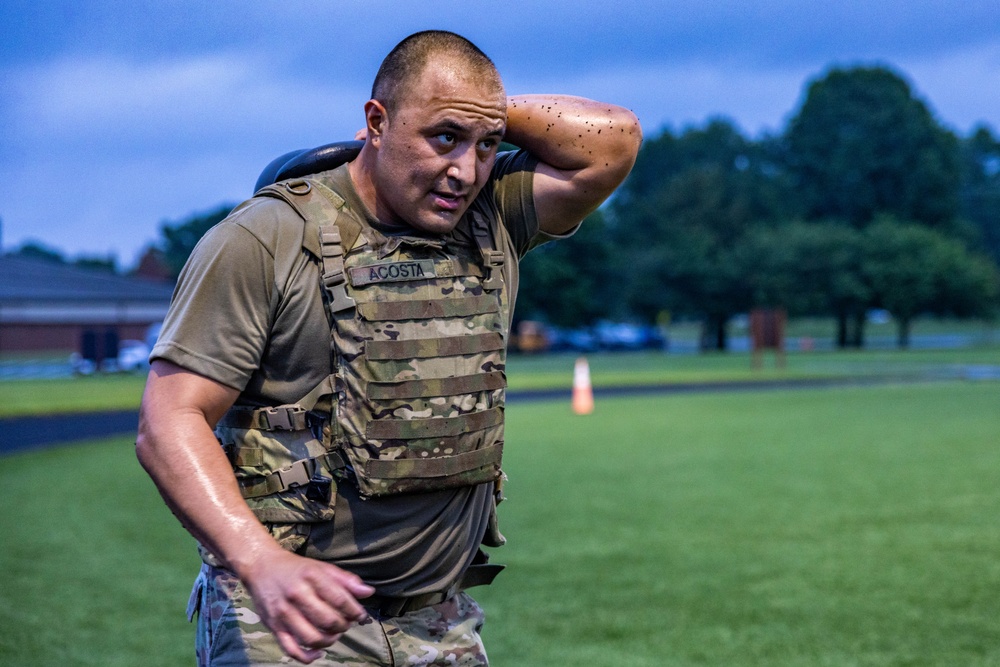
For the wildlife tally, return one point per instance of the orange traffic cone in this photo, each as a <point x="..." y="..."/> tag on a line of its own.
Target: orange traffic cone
<point x="583" y="394"/>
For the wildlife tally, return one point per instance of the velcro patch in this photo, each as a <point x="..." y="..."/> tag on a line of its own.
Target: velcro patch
<point x="391" y="272"/>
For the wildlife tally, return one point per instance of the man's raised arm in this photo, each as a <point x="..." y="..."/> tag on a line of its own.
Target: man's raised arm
<point x="586" y="149"/>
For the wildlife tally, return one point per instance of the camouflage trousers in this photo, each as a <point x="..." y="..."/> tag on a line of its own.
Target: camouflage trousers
<point x="229" y="633"/>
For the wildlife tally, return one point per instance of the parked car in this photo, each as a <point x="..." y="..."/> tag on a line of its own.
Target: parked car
<point x="133" y="355"/>
<point x="571" y="340"/>
<point x="625" y="336"/>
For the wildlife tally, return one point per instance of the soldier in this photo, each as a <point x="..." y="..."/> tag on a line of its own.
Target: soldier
<point x="342" y="337"/>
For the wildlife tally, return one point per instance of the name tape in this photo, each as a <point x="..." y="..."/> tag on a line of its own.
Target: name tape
<point x="390" y="272"/>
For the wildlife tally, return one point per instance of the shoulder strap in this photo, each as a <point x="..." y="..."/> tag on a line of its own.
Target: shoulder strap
<point x="320" y="208"/>
<point x="493" y="258"/>
<point x="328" y="232"/>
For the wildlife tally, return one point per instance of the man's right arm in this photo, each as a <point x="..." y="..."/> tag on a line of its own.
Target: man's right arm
<point x="305" y="602"/>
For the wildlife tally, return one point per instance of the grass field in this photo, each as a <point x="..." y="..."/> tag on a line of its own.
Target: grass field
<point x="553" y="371"/>
<point x="852" y="527"/>
<point x="70" y="395"/>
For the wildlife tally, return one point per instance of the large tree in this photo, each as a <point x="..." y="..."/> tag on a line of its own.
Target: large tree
<point x="862" y="144"/>
<point x="913" y="270"/>
<point x="980" y="194"/>
<point x="680" y="217"/>
<point x="810" y="268"/>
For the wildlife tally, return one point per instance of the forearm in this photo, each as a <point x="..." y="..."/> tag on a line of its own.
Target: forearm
<point x="585" y="150"/>
<point x="574" y="133"/>
<point x="177" y="448"/>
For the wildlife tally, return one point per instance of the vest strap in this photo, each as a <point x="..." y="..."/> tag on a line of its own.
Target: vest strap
<point x="464" y="384"/>
<point x="433" y="427"/>
<point x="278" y="418"/>
<point x="493" y="259"/>
<point x="443" y="466"/>
<point x="426" y="309"/>
<point x="425" y="348"/>
<point x="291" y="476"/>
<point x="334" y="279"/>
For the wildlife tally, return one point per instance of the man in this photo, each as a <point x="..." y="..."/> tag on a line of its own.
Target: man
<point x="344" y="335"/>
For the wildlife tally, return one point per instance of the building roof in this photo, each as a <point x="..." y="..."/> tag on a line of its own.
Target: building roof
<point x="34" y="280"/>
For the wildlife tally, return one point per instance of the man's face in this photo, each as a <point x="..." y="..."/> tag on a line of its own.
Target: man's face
<point x="436" y="149"/>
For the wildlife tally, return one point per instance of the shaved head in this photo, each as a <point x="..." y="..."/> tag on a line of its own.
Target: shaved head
<point x="409" y="58"/>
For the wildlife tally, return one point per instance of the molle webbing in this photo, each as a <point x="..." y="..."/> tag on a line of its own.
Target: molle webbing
<point x="418" y="329"/>
<point x="437" y="467"/>
<point x="466" y="384"/>
<point x="434" y="427"/>
<point x="428" y="348"/>
<point x="428" y="309"/>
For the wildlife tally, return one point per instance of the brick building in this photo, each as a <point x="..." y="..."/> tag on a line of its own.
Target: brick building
<point x="50" y="307"/>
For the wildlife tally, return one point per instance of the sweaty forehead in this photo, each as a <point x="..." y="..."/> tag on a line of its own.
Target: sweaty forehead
<point x="451" y="91"/>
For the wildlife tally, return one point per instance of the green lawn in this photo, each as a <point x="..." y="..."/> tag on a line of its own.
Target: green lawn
<point x="851" y="526"/>
<point x="627" y="369"/>
<point x="123" y="392"/>
<point x="71" y="395"/>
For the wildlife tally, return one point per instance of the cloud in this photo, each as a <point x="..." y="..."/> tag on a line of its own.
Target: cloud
<point x="117" y="116"/>
<point x="962" y="87"/>
<point x="120" y="145"/>
<point x="149" y="107"/>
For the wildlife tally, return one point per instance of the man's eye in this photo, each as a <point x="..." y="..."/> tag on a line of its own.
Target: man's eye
<point x="486" y="145"/>
<point x="446" y="139"/>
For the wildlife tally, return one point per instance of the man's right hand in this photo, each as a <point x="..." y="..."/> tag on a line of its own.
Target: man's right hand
<point x="307" y="604"/>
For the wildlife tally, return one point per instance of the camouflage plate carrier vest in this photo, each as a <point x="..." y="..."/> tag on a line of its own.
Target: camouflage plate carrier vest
<point x="415" y="399"/>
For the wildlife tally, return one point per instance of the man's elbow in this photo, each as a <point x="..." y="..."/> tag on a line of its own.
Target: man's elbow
<point x="619" y="152"/>
<point x="630" y="140"/>
<point x="145" y="442"/>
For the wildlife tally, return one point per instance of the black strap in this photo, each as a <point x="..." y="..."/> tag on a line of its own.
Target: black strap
<point x="481" y="573"/>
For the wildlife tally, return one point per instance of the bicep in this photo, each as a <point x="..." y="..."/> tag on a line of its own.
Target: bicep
<point x="177" y="400"/>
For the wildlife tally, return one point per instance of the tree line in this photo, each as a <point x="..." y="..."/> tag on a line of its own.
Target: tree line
<point x="863" y="201"/>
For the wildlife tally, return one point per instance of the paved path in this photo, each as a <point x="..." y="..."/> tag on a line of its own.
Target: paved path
<point x="23" y="433"/>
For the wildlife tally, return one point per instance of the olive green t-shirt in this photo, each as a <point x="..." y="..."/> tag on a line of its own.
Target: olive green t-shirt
<point x="247" y="312"/>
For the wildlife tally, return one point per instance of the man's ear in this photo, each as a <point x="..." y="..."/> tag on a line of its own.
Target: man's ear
<point x="376" y="119"/>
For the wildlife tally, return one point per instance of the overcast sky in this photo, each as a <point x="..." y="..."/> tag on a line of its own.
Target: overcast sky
<point x="118" y="116"/>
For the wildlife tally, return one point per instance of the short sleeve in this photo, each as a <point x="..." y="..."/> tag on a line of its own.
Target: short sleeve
<point x="513" y="180"/>
<point x="219" y="316"/>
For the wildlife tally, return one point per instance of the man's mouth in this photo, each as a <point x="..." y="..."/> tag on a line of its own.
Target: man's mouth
<point x="447" y="201"/>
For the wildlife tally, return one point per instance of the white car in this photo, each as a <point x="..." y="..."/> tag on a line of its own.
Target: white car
<point x="133" y="355"/>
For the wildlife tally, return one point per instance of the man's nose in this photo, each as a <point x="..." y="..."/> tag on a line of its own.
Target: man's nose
<point x="463" y="166"/>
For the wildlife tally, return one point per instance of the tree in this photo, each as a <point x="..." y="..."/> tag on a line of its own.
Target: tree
<point x="681" y="214"/>
<point x="980" y="193"/>
<point x="862" y="144"/>
<point x="36" y="250"/>
<point x="914" y="270"/>
<point x="107" y="264"/>
<point x="180" y="238"/>
<point x="569" y="279"/>
<point x="809" y="268"/>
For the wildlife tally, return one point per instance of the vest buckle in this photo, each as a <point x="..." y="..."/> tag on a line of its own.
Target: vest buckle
<point x="493" y="259"/>
<point x="284" y="418"/>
